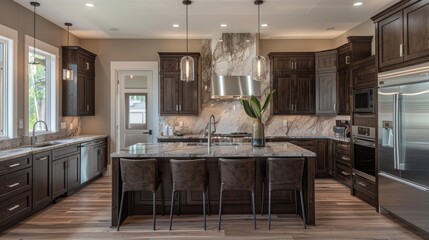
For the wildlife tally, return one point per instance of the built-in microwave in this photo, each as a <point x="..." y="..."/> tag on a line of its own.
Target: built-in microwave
<point x="363" y="100"/>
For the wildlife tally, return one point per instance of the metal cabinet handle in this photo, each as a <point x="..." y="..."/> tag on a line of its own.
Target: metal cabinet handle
<point x="345" y="158"/>
<point x="335" y="106"/>
<point x="14" y="165"/>
<point x="345" y="173"/>
<point x="87" y="107"/>
<point x="177" y="107"/>
<point x="295" y="66"/>
<point x="87" y="65"/>
<point x="13" y="185"/>
<point x="43" y="159"/>
<point x="13" y="208"/>
<point x="401" y="50"/>
<point x="180" y="107"/>
<point x="347" y="59"/>
<point x="361" y="183"/>
<point x="291" y="64"/>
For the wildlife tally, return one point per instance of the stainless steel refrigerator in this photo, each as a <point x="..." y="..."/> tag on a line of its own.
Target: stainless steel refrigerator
<point x="403" y="144"/>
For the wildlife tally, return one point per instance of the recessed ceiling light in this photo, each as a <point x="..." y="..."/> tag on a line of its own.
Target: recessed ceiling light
<point x="224" y="25"/>
<point x="356" y="4"/>
<point x="264" y="25"/>
<point x="90" y="4"/>
<point x="176" y="25"/>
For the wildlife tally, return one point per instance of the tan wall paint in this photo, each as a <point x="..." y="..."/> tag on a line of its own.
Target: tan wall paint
<point x="17" y="17"/>
<point x="294" y="45"/>
<point x="366" y="28"/>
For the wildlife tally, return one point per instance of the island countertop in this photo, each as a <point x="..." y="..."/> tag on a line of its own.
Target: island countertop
<point x="195" y="150"/>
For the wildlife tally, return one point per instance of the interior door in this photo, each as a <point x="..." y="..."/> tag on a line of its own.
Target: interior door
<point x="135" y="108"/>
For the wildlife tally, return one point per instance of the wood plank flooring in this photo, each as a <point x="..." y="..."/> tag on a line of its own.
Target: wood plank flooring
<point x="86" y="215"/>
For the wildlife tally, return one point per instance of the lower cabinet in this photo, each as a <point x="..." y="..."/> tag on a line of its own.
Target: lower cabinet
<point x="42" y="172"/>
<point x="100" y="162"/>
<point x="341" y="162"/>
<point x="65" y="170"/>
<point x="365" y="190"/>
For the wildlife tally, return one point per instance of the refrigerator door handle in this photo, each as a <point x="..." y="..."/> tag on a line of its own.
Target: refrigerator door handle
<point x="394" y="178"/>
<point x="396" y="131"/>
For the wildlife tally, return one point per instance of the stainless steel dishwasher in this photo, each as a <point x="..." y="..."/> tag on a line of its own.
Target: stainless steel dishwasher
<point x="86" y="161"/>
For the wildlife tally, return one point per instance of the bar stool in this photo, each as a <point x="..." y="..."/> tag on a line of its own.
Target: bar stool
<point x="284" y="174"/>
<point x="189" y="175"/>
<point x="141" y="175"/>
<point x="237" y="174"/>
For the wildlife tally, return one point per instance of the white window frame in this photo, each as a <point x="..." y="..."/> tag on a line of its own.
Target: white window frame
<point x="53" y="88"/>
<point x="9" y="37"/>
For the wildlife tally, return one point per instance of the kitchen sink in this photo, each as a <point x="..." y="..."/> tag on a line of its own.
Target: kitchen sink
<point x="46" y="144"/>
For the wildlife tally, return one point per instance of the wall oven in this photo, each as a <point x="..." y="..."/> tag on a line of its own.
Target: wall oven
<point x="363" y="100"/>
<point x="363" y="151"/>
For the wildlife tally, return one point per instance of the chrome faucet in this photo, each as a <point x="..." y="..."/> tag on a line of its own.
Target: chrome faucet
<point x="34" y="138"/>
<point x="210" y="132"/>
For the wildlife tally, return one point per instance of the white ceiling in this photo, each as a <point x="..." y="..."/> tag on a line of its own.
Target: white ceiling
<point x="154" y="18"/>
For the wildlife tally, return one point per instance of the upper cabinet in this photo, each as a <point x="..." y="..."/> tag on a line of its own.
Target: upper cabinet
<point x="178" y="97"/>
<point x="357" y="48"/>
<point x="326" y="82"/>
<point x="293" y="78"/>
<point x="79" y="93"/>
<point x="402" y="34"/>
<point x="364" y="73"/>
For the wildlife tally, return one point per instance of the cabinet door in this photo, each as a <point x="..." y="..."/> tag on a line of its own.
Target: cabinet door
<point x="326" y="61"/>
<point x="303" y="93"/>
<point x="326" y="93"/>
<point x="344" y="92"/>
<point x="283" y="63"/>
<point x="85" y="94"/>
<point x="390" y="38"/>
<point x="90" y="95"/>
<point x="73" y="172"/>
<point x="282" y="96"/>
<point x="364" y="73"/>
<point x="416" y="30"/>
<point x="322" y="158"/>
<point x="189" y="102"/>
<point x="59" y="177"/>
<point x="169" y="89"/>
<point x="304" y="63"/>
<point x="344" y="56"/>
<point x="41" y="180"/>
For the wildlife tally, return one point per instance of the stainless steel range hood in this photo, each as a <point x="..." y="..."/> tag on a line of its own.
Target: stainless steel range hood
<point x="229" y="87"/>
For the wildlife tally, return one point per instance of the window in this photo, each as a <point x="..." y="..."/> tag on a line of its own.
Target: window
<point x="8" y="70"/>
<point x="41" y="86"/>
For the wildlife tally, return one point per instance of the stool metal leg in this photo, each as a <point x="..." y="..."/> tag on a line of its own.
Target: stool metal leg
<point x="262" y="199"/>
<point x="204" y="210"/>
<point x="154" y="210"/>
<point x="171" y="208"/>
<point x="302" y="209"/>
<point x="269" y="209"/>
<point x="162" y="199"/>
<point x="295" y="192"/>
<point x="208" y="198"/>
<point x="220" y="206"/>
<point x="120" y="211"/>
<point x="253" y="210"/>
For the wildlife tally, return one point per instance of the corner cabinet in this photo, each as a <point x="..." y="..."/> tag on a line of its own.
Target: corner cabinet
<point x="79" y="93"/>
<point x="294" y="82"/>
<point x="326" y="82"/>
<point x="402" y="32"/>
<point x="178" y="97"/>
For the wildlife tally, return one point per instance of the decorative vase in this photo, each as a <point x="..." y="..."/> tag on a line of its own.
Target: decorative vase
<point x="258" y="136"/>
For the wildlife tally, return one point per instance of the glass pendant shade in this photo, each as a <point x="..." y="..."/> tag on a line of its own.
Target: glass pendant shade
<point x="258" y="68"/>
<point x="187" y="69"/>
<point x="67" y="74"/>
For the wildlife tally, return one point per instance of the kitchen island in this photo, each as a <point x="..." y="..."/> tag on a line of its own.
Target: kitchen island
<point x="234" y="202"/>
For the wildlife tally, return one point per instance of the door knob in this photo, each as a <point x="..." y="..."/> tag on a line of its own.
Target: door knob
<point x="148" y="132"/>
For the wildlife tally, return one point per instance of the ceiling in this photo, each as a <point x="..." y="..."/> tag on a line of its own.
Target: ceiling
<point x="287" y="19"/>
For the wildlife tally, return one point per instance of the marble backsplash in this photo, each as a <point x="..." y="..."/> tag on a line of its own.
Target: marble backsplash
<point x="233" y="56"/>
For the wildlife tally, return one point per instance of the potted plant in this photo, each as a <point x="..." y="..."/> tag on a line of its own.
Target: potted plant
<point x="255" y="110"/>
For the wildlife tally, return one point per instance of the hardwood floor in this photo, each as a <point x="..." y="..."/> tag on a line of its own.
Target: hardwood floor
<point x="86" y="215"/>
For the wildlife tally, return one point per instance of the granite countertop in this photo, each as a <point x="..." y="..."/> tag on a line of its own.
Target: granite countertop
<point x="64" y="142"/>
<point x="194" y="150"/>
<point x="341" y="139"/>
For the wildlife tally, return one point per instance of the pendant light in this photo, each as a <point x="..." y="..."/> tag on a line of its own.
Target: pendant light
<point x="259" y="63"/>
<point x="34" y="4"/>
<point x="187" y="62"/>
<point x="68" y="73"/>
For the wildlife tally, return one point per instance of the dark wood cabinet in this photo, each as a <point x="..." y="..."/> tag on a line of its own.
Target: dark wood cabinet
<point x="357" y="48"/>
<point x="364" y="73"/>
<point x="178" y="97"/>
<point x="65" y="170"/>
<point x="402" y="32"/>
<point x="293" y="79"/>
<point x="78" y="93"/>
<point x="342" y="162"/>
<point x="326" y="82"/>
<point x="100" y="162"/>
<point x="365" y="190"/>
<point x="42" y="172"/>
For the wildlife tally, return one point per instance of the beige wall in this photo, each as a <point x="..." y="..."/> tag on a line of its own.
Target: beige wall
<point x="17" y="17"/>
<point x="366" y="28"/>
<point x="294" y="45"/>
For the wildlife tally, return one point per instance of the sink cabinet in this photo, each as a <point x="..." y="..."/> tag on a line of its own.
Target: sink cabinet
<point x="65" y="170"/>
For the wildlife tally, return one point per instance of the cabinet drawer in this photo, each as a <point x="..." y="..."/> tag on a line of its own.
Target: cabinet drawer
<point x="14" y="183"/>
<point x="15" y="164"/>
<point x="344" y="174"/>
<point x="364" y="185"/>
<point x="15" y="206"/>
<point x="343" y="158"/>
<point x="65" y="151"/>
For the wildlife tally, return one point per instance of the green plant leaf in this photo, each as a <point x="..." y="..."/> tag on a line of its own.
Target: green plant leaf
<point x="247" y="108"/>
<point x="256" y="107"/>
<point x="256" y="101"/>
<point x="267" y="101"/>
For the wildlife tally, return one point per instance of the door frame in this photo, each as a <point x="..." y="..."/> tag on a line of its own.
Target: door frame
<point x="115" y="67"/>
